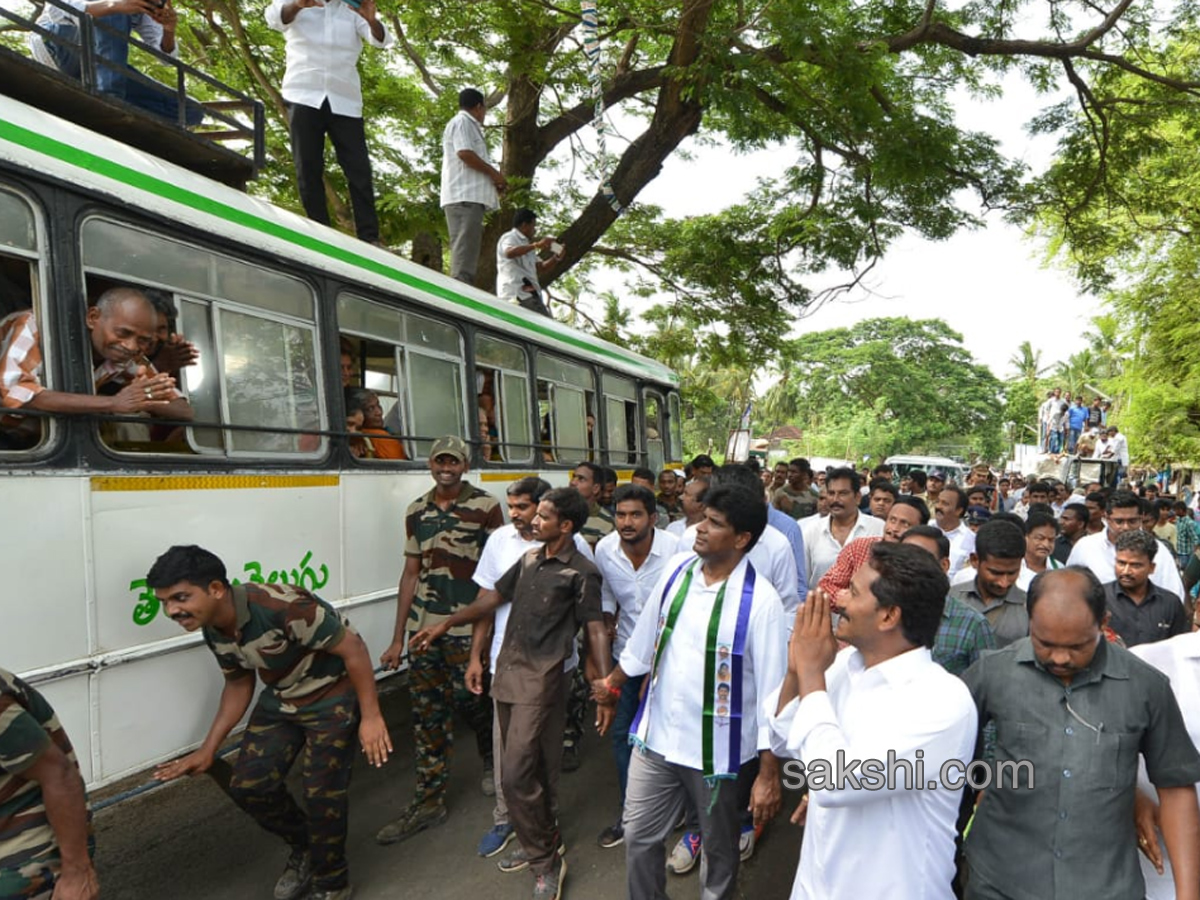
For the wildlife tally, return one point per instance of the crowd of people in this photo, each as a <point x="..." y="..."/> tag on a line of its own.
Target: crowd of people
<point x="321" y="87"/>
<point x="739" y="630"/>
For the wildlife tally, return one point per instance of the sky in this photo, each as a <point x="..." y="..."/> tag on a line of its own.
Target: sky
<point x="990" y="284"/>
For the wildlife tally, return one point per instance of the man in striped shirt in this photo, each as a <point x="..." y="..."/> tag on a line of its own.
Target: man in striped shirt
<point x="122" y="325"/>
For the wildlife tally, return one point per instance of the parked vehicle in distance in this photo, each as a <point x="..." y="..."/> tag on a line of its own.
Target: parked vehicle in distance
<point x="954" y="470"/>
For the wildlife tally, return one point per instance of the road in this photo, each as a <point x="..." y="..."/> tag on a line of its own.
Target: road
<point x="187" y="841"/>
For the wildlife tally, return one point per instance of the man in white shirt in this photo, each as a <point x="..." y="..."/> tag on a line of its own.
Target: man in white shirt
<point x="631" y="561"/>
<point x="710" y="637"/>
<point x="1046" y="413"/>
<point x="1098" y="552"/>
<point x="692" y="501"/>
<point x="115" y="21"/>
<point x="503" y="550"/>
<point x="1120" y="452"/>
<point x="471" y="184"/>
<point x="324" y="97"/>
<point x="771" y="554"/>
<point x="1179" y="659"/>
<point x="947" y="515"/>
<point x="825" y="536"/>
<point x="882" y="695"/>
<point x="517" y="265"/>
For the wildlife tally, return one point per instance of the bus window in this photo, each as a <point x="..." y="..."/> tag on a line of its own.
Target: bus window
<point x="255" y="333"/>
<point x="502" y="397"/>
<point x="674" y="428"/>
<point x="22" y="341"/>
<point x="415" y="360"/>
<point x="655" y="447"/>
<point x="565" y="402"/>
<point x="620" y="420"/>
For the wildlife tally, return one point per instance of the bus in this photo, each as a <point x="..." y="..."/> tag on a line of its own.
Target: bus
<point x="265" y="476"/>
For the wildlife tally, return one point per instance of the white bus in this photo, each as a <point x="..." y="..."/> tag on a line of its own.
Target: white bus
<point x="264" y="476"/>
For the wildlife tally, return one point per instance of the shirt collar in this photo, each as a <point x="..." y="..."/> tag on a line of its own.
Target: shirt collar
<point x="898" y="670"/>
<point x="1108" y="662"/>
<point x="1152" y="592"/>
<point x="241" y="606"/>
<point x="564" y="556"/>
<point x="464" y="488"/>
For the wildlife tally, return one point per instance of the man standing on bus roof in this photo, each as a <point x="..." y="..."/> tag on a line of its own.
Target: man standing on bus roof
<point x="122" y="327"/>
<point x="45" y="826"/>
<point x="317" y="680"/>
<point x="154" y="23"/>
<point x="471" y="184"/>
<point x="518" y="265"/>
<point x="447" y="528"/>
<point x="324" y="97"/>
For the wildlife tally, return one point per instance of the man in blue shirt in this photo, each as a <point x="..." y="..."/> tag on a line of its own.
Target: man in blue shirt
<point x="1076" y="418"/>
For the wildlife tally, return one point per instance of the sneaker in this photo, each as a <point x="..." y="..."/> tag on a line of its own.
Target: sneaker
<point x="497" y="838"/>
<point x="550" y="885"/>
<point x="488" y="783"/>
<point x="612" y="836"/>
<point x="296" y="877"/>
<point x="517" y="861"/>
<point x="414" y="820"/>
<point x="340" y="894"/>
<point x="686" y="853"/>
<point x="570" y="758"/>
<point x="748" y="840"/>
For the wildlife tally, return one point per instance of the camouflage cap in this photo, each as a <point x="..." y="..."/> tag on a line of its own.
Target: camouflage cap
<point x="449" y="446"/>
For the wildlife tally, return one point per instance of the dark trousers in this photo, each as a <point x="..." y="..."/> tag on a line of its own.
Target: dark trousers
<point x="627" y="707"/>
<point x="309" y="127"/>
<point x="530" y="754"/>
<point x="269" y="747"/>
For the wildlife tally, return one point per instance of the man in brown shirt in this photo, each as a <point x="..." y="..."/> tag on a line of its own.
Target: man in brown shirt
<point x="554" y="590"/>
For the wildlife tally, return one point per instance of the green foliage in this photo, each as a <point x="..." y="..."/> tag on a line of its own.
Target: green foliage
<point x="887" y="386"/>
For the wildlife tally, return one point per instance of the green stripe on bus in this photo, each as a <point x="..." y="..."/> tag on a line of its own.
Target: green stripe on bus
<point x="82" y="159"/>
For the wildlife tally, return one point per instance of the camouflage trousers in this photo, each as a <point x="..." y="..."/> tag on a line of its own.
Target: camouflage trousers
<point x="270" y="745"/>
<point x="32" y="882"/>
<point x="577" y="701"/>
<point x="437" y="683"/>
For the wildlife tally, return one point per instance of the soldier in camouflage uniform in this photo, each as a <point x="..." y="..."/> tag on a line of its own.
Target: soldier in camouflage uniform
<point x="317" y="680"/>
<point x="589" y="479"/>
<point x="40" y="782"/>
<point x="446" y="530"/>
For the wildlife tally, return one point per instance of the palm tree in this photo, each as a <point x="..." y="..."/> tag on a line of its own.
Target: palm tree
<point x="1107" y="346"/>
<point x="1028" y="363"/>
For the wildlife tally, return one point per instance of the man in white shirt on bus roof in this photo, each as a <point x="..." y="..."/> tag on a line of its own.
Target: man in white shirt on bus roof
<point x="153" y="23"/>
<point x="1098" y="551"/>
<point x="880" y="696"/>
<point x="685" y="755"/>
<point x="324" y="97"/>
<point x="824" y="537"/>
<point x="471" y="184"/>
<point x="518" y="265"/>
<point x="503" y="550"/>
<point x="631" y="561"/>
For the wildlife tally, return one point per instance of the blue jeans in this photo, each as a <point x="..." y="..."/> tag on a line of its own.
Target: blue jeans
<point x="114" y="79"/>
<point x="627" y="707"/>
<point x="1072" y="440"/>
<point x="1055" y="441"/>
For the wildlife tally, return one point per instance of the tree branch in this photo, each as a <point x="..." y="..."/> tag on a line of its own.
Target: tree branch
<point x="413" y="56"/>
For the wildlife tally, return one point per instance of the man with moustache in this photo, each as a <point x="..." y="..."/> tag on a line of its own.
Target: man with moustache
<point x="1080" y="711"/>
<point x="1098" y="552"/>
<point x="317" y="681"/>
<point x="906" y="512"/>
<point x="631" y="561"/>
<point x="825" y="537"/>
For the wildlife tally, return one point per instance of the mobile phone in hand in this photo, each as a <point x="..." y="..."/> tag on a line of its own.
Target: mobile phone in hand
<point x="556" y="248"/>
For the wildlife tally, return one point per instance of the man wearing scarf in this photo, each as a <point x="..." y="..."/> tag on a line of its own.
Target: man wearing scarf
<point x="712" y="640"/>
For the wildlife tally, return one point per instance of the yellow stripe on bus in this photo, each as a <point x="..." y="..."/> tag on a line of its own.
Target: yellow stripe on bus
<point x="506" y="476"/>
<point x="209" y="482"/>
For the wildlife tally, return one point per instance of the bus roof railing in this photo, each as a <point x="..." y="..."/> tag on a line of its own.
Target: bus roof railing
<point x="232" y="117"/>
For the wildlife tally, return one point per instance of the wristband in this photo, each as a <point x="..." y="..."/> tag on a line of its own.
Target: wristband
<point x="615" y="691"/>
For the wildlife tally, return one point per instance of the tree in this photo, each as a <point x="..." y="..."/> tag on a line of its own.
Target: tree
<point x="861" y="92"/>
<point x="887" y="386"/>
<point x="1028" y="363"/>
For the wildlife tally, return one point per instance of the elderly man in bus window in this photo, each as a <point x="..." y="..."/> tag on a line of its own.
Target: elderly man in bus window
<point x="122" y="326"/>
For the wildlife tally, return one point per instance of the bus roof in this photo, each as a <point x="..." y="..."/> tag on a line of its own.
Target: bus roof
<point x="33" y="139"/>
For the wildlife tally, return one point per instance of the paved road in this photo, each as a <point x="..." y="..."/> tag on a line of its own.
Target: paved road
<point x="188" y="842"/>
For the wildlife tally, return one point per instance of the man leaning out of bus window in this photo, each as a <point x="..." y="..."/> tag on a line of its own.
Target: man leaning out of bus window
<point x="122" y="328"/>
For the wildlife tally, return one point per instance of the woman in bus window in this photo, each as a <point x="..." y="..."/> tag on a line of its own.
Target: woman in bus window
<point x="384" y="445"/>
